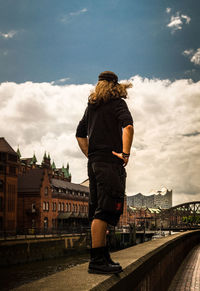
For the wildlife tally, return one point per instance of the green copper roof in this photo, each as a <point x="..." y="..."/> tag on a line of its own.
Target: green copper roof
<point x="45" y="155"/>
<point x="53" y="166"/>
<point x="65" y="171"/>
<point x="18" y="152"/>
<point x="34" y="160"/>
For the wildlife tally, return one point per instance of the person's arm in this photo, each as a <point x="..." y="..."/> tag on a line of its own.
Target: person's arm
<point x="127" y="139"/>
<point x="83" y="144"/>
<point x="81" y="134"/>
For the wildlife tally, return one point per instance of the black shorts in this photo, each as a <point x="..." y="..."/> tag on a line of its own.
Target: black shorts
<point x="107" y="190"/>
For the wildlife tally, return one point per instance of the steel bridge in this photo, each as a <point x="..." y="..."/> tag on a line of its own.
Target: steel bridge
<point x="182" y="216"/>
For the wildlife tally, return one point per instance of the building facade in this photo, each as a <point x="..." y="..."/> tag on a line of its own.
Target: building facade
<point x="41" y="198"/>
<point x="161" y="199"/>
<point x="47" y="200"/>
<point x="8" y="187"/>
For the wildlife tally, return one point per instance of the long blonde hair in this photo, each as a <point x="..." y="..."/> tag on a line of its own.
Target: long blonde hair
<point x="106" y="90"/>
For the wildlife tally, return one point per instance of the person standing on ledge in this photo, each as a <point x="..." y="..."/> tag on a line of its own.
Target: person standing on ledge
<point x="105" y="135"/>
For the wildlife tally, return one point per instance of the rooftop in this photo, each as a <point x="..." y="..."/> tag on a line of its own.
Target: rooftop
<point x="5" y="147"/>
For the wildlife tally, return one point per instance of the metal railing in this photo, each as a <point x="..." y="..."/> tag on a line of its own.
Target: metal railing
<point x="35" y="233"/>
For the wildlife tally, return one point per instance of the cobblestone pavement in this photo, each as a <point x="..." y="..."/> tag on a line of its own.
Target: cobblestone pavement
<point x="187" y="277"/>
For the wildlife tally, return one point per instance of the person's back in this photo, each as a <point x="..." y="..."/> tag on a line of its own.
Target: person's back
<point x="105" y="136"/>
<point x="104" y="129"/>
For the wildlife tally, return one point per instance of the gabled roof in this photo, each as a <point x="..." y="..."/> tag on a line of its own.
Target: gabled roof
<point x="5" y="147"/>
<point x="68" y="185"/>
<point x="30" y="181"/>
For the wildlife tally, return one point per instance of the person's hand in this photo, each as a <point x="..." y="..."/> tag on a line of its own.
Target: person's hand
<point x="120" y="156"/>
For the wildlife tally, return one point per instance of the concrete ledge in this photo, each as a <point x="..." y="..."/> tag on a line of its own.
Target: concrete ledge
<point x="148" y="266"/>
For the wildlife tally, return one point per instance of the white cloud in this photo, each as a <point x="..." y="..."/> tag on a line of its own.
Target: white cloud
<point x="196" y="57"/>
<point x="78" y="12"/>
<point x="60" y="81"/>
<point x="187" y="18"/>
<point x="168" y="10"/>
<point x="177" y="21"/>
<point x="42" y="116"/>
<point x="188" y="52"/>
<point x="193" y="55"/>
<point x="8" y="35"/>
<point x="67" y="17"/>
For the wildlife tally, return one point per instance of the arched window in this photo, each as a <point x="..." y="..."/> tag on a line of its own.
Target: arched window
<point x="44" y="206"/>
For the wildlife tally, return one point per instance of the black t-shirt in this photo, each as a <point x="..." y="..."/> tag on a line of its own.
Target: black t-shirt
<point x="103" y="124"/>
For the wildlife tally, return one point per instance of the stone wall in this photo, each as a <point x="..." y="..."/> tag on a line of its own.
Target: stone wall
<point x="155" y="269"/>
<point x="39" y="249"/>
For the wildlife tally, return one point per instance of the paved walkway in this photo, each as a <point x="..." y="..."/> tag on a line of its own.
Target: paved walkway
<point x="187" y="277"/>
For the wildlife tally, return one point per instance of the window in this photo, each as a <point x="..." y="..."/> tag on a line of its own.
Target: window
<point x="2" y="157"/>
<point x="53" y="223"/>
<point x="62" y="207"/>
<point x="59" y="206"/>
<point x="66" y="207"/>
<point x="54" y="206"/>
<point x="44" y="206"/>
<point x="46" y="191"/>
<point x="69" y="207"/>
<point x="33" y="208"/>
<point x="11" y="198"/>
<point x="2" y="169"/>
<point x="45" y="223"/>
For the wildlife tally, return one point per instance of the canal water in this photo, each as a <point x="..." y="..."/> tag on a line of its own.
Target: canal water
<point x="17" y="275"/>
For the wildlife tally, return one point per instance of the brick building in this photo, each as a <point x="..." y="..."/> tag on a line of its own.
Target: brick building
<point x="47" y="200"/>
<point x="42" y="197"/>
<point x="8" y="187"/>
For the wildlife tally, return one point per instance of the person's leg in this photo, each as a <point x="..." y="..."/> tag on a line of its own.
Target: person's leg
<point x="98" y="232"/>
<point x="100" y="262"/>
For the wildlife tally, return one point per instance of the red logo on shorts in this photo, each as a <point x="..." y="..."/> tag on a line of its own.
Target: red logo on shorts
<point x="118" y="206"/>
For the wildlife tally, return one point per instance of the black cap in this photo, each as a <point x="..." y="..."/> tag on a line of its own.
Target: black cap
<point x="108" y="76"/>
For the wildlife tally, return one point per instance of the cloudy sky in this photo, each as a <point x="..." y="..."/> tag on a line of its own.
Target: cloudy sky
<point x="51" y="53"/>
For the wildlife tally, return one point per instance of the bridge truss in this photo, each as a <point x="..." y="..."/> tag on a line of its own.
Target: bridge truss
<point x="186" y="215"/>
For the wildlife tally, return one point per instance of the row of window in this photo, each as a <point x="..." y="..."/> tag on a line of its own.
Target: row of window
<point x="67" y="207"/>
<point x="59" y="190"/>
<point x="10" y="157"/>
<point x="12" y="169"/>
<point x="45" y="223"/>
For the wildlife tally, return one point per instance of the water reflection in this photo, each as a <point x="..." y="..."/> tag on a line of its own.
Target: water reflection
<point x="14" y="276"/>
